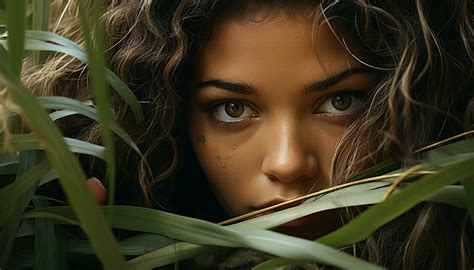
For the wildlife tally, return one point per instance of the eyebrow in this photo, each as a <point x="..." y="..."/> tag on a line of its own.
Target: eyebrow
<point x="333" y="80"/>
<point x="247" y="89"/>
<point x="241" y="88"/>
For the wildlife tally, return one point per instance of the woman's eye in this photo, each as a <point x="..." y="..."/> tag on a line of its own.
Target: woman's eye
<point x="341" y="103"/>
<point x="233" y="111"/>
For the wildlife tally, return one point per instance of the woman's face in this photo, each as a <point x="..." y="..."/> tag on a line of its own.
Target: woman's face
<point x="268" y="105"/>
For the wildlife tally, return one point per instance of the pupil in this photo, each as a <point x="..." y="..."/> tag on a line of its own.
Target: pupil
<point x="234" y="107"/>
<point x="341" y="102"/>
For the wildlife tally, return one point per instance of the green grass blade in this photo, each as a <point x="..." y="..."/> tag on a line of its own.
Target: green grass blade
<point x="3" y="17"/>
<point x="40" y="19"/>
<point x="380" y="214"/>
<point x="64" y="103"/>
<point x="379" y="169"/>
<point x="61" y="114"/>
<point x="10" y="213"/>
<point x="29" y="141"/>
<point x="71" y="176"/>
<point x="36" y="41"/>
<point x="8" y="164"/>
<point x="469" y="190"/>
<point x="16" y="25"/>
<point x="207" y="233"/>
<point x="133" y="246"/>
<point x="10" y="193"/>
<point x="168" y="255"/>
<point x="89" y="18"/>
<point x="49" y="245"/>
<point x="77" y="52"/>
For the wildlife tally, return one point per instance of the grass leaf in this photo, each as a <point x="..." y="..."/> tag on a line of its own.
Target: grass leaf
<point x="469" y="190"/>
<point x="10" y="193"/>
<point x="29" y="141"/>
<point x="71" y="176"/>
<point x="10" y="213"/>
<point x="16" y="26"/>
<point x="49" y="243"/>
<point x="64" y="103"/>
<point x="40" y="22"/>
<point x="380" y="214"/>
<point x="89" y="17"/>
<point x="207" y="233"/>
<point x="36" y="41"/>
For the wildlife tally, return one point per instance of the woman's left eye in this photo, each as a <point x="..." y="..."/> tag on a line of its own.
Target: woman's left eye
<point x="341" y="103"/>
<point x="233" y="111"/>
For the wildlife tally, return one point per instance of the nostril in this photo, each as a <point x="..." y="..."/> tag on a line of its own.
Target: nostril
<point x="289" y="178"/>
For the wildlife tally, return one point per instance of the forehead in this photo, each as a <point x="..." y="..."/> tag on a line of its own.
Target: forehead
<point x="285" y="46"/>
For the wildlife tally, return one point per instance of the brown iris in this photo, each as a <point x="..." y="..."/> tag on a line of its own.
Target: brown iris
<point x="234" y="109"/>
<point x="341" y="102"/>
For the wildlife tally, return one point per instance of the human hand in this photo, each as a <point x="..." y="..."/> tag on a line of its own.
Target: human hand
<point x="98" y="190"/>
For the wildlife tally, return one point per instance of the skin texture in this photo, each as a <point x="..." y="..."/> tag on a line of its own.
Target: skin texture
<point x="279" y="139"/>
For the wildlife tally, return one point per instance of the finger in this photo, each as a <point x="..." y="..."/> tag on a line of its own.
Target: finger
<point x="98" y="190"/>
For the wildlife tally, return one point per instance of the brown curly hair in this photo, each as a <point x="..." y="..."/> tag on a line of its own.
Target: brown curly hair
<point x="422" y="51"/>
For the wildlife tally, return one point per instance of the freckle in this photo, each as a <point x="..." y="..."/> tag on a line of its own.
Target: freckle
<point x="236" y="180"/>
<point x="234" y="147"/>
<point x="218" y="157"/>
<point x="203" y="140"/>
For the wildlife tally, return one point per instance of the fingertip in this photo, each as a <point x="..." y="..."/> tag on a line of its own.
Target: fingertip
<point x="98" y="189"/>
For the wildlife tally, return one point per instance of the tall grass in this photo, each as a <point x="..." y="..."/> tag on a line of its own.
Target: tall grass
<point x="33" y="234"/>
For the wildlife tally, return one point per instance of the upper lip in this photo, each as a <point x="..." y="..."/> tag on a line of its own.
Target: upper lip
<point x="272" y="202"/>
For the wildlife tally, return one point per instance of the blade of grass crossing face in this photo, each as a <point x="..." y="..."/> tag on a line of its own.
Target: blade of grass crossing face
<point x="380" y="214"/>
<point x="89" y="18"/>
<point x="40" y="22"/>
<point x="207" y="233"/>
<point x="71" y="176"/>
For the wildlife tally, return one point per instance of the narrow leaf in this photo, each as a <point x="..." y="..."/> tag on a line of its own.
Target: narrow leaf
<point x="10" y="213"/>
<point x="40" y="16"/>
<point x="16" y="25"/>
<point x="380" y="214"/>
<point x="89" y="18"/>
<point x="72" y="49"/>
<point x="64" y="103"/>
<point x="71" y="176"/>
<point x="29" y="141"/>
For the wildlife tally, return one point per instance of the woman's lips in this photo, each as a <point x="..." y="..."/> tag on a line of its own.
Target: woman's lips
<point x="271" y="202"/>
<point x="309" y="227"/>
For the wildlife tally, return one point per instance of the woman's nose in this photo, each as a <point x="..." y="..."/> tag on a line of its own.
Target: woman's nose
<point x="289" y="156"/>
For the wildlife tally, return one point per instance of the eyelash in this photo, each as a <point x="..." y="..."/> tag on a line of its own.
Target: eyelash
<point x="357" y="96"/>
<point x="211" y="109"/>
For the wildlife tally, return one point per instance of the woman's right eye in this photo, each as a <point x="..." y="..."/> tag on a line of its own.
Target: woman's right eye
<point x="233" y="111"/>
